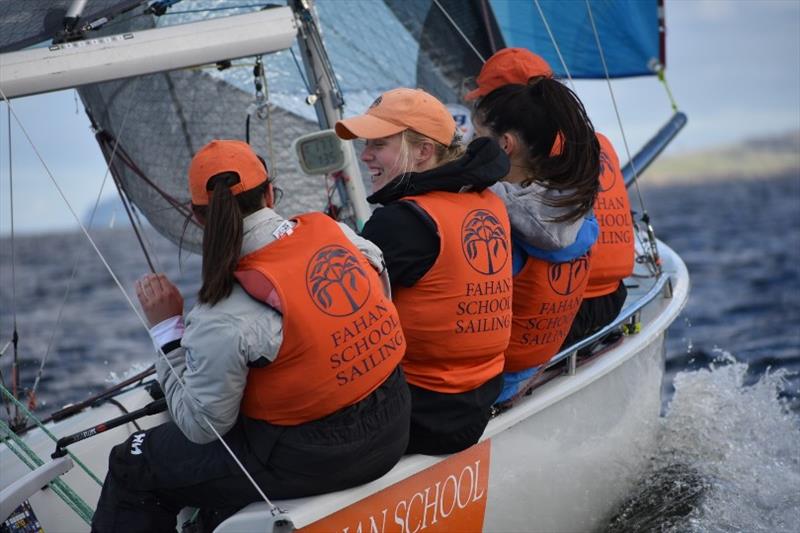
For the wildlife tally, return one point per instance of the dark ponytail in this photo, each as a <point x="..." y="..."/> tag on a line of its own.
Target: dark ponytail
<point x="222" y="234"/>
<point x="540" y="113"/>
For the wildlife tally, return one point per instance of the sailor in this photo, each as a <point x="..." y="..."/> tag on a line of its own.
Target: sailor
<point x="613" y="253"/>
<point x="445" y="238"/>
<point x="291" y="355"/>
<point x="549" y="193"/>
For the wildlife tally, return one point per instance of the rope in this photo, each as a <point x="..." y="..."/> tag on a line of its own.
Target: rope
<point x="555" y="44"/>
<point x="6" y="403"/>
<point x="13" y="283"/>
<point x="47" y="432"/>
<point x="137" y="230"/>
<point x="30" y="459"/>
<point x="104" y="138"/>
<point x="261" y="75"/>
<point x="653" y="246"/>
<point x="14" y="332"/>
<point x="466" y="39"/>
<point x="300" y="71"/>
<point x="662" y="77"/>
<point x="132" y="306"/>
<point x="37" y="380"/>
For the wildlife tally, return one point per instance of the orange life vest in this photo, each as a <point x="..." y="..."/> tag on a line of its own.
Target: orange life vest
<point x="457" y="318"/>
<point x="547" y="297"/>
<point x="613" y="253"/>
<point x="341" y="334"/>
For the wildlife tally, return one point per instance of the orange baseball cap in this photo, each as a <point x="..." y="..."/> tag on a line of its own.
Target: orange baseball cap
<point x="509" y="65"/>
<point x="224" y="156"/>
<point x="399" y="110"/>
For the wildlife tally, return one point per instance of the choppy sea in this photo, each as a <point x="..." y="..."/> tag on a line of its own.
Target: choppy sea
<point x="728" y="457"/>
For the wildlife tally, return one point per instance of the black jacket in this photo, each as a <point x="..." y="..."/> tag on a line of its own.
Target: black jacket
<point x="404" y="232"/>
<point x="440" y="423"/>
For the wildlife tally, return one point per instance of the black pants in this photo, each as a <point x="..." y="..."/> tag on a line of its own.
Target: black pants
<point x="157" y="472"/>
<point x="448" y="423"/>
<point x="596" y="313"/>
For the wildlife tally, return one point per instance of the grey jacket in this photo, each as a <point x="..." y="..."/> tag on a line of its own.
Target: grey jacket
<point x="531" y="218"/>
<point x="220" y="341"/>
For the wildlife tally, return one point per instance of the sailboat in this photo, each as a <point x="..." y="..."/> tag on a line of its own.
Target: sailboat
<point x="562" y="458"/>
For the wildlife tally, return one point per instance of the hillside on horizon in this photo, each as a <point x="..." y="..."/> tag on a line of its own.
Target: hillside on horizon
<point x="756" y="158"/>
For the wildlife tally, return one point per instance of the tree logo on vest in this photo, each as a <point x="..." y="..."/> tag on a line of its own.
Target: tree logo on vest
<point x="565" y="278"/>
<point x="607" y="175"/>
<point x="484" y="241"/>
<point x="336" y="282"/>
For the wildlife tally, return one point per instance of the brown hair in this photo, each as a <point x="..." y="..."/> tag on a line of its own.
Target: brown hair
<point x="222" y="233"/>
<point x="538" y="113"/>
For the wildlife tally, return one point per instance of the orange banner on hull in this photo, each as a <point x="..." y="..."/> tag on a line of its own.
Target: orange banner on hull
<point x="448" y="496"/>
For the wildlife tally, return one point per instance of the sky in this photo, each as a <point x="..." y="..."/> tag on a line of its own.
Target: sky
<point x="733" y="66"/>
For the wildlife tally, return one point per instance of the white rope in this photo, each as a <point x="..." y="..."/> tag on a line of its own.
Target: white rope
<point x="613" y="97"/>
<point x="653" y="245"/>
<point x="130" y="302"/>
<point x="67" y="291"/>
<point x="14" y="366"/>
<point x="453" y="22"/>
<point x="555" y="44"/>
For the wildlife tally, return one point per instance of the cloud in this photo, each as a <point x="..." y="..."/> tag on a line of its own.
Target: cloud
<point x="713" y="10"/>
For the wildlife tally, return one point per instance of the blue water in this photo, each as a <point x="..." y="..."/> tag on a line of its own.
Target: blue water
<point x="728" y="457"/>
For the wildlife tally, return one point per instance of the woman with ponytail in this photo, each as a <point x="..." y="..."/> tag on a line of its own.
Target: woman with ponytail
<point x="613" y="252"/>
<point x="267" y="360"/>
<point x="549" y="193"/>
<point x="445" y="238"/>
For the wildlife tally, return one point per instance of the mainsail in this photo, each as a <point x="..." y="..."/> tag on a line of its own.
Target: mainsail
<point x="158" y="121"/>
<point x="149" y="126"/>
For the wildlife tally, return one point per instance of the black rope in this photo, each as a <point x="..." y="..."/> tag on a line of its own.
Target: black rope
<point x="125" y="201"/>
<point x="122" y="155"/>
<point x="114" y="401"/>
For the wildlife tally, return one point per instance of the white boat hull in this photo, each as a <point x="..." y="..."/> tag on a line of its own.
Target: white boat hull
<point x="563" y="459"/>
<point x="573" y="461"/>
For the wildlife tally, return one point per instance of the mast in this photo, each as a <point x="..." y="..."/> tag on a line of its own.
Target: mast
<point x="328" y="101"/>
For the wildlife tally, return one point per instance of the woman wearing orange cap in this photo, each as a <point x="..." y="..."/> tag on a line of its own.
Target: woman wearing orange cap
<point x="613" y="253"/>
<point x="305" y="410"/>
<point x="549" y="194"/>
<point x="445" y="238"/>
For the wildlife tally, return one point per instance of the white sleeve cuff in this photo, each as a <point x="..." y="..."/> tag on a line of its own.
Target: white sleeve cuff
<point x="167" y="331"/>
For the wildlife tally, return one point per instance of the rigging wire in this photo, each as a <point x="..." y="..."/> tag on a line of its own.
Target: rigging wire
<point x="15" y="332"/>
<point x="13" y="284"/>
<point x="133" y="307"/>
<point x="6" y="402"/>
<point x="463" y="35"/>
<point x="645" y="217"/>
<point x="262" y="99"/>
<point x="555" y="44"/>
<point x="300" y="71"/>
<point x="37" y="380"/>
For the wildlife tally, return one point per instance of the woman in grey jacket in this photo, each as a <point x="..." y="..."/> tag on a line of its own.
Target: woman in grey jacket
<point x="305" y="410"/>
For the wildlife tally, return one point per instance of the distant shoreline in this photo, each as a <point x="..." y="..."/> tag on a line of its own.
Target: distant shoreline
<point x="757" y="159"/>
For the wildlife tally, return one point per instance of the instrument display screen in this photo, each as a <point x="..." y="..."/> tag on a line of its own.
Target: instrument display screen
<point x="320" y="152"/>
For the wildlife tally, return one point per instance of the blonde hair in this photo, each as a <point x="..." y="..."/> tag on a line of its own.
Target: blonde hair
<point x="443" y="154"/>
